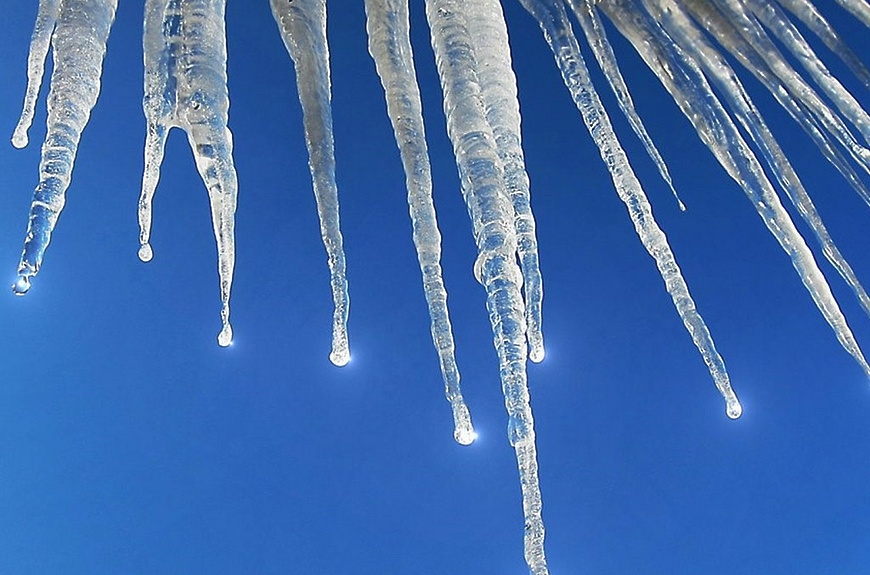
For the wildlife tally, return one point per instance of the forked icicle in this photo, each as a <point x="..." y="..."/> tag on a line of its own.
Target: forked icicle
<point x="557" y="31"/>
<point x="79" y="45"/>
<point x="186" y="87"/>
<point x="492" y="219"/>
<point x="390" y="46"/>
<point x="303" y="28"/>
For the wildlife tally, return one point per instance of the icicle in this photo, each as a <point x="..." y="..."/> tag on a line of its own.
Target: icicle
<point x="738" y="22"/>
<point x="860" y="9"/>
<point x="693" y="95"/>
<point x="40" y="41"/>
<point x="492" y="218"/>
<point x="186" y="87"/>
<point x="498" y="86"/>
<point x="390" y="46"/>
<point x="303" y="28"/>
<point x="79" y="44"/>
<point x="790" y="90"/>
<point x="554" y="23"/>
<point x="776" y="21"/>
<point x="597" y="38"/>
<point x="813" y="19"/>
<point x="681" y="28"/>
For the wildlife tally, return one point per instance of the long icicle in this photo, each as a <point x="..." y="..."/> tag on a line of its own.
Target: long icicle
<point x="79" y="45"/>
<point x="498" y="87"/>
<point x="186" y="87"/>
<point x="693" y="95"/>
<point x="684" y="32"/>
<point x="790" y="93"/>
<point x="775" y="19"/>
<point x="303" y="28"/>
<point x="593" y="29"/>
<point x="390" y="46"/>
<point x="807" y="13"/>
<point x="491" y="213"/>
<point x="553" y="21"/>
<point x="40" y="41"/>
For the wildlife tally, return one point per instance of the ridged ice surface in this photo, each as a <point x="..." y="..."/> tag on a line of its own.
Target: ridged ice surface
<point x="690" y="45"/>
<point x="303" y="27"/>
<point x="390" y="46"/>
<point x="186" y="87"/>
<point x="78" y="46"/>
<point x="557" y="30"/>
<point x="492" y="218"/>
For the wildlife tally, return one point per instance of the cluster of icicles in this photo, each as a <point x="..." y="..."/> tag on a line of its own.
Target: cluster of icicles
<point x="684" y="42"/>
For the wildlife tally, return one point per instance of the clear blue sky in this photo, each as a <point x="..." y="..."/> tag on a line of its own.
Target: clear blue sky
<point x="130" y="443"/>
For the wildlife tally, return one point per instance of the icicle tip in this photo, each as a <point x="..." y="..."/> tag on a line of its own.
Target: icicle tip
<point x="465" y="435"/>
<point x="340" y="357"/>
<point x="19" y="138"/>
<point x="225" y="337"/>
<point x="733" y="408"/>
<point x="537" y="353"/>
<point x="21" y="285"/>
<point x="145" y="252"/>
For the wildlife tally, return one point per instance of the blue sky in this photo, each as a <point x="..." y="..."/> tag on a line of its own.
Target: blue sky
<point x="130" y="443"/>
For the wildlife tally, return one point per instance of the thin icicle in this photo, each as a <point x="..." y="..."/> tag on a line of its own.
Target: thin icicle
<point x="40" y="41"/>
<point x="693" y="95"/>
<point x="498" y="86"/>
<point x="390" y="46"/>
<point x="860" y="9"/>
<point x="740" y="23"/>
<point x="303" y="28"/>
<point x="492" y="219"/>
<point x="791" y="91"/>
<point x="775" y="19"/>
<point x="79" y="44"/>
<point x="557" y="31"/>
<point x="815" y="21"/>
<point x="186" y="87"/>
<point x="593" y="28"/>
<point x="684" y="32"/>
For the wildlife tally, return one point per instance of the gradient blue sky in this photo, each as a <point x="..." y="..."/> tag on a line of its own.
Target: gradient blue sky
<point x="130" y="443"/>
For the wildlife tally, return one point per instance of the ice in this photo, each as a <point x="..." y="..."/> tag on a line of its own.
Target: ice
<point x="303" y="27"/>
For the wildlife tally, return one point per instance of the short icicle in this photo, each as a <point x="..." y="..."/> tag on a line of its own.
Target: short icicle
<point x="186" y="87"/>
<point x="303" y="28"/>
<point x="79" y="45"/>
<point x="492" y="217"/>
<point x="390" y="46"/>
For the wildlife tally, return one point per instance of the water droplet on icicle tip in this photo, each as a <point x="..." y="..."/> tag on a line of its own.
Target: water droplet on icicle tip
<point x="340" y="357"/>
<point x="733" y="408"/>
<point x="145" y="252"/>
<point x="225" y="338"/>
<point x="21" y="285"/>
<point x="465" y="435"/>
<point x="20" y="139"/>
<point x="537" y="353"/>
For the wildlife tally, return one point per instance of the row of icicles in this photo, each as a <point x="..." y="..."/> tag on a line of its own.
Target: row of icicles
<point x="684" y="42"/>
